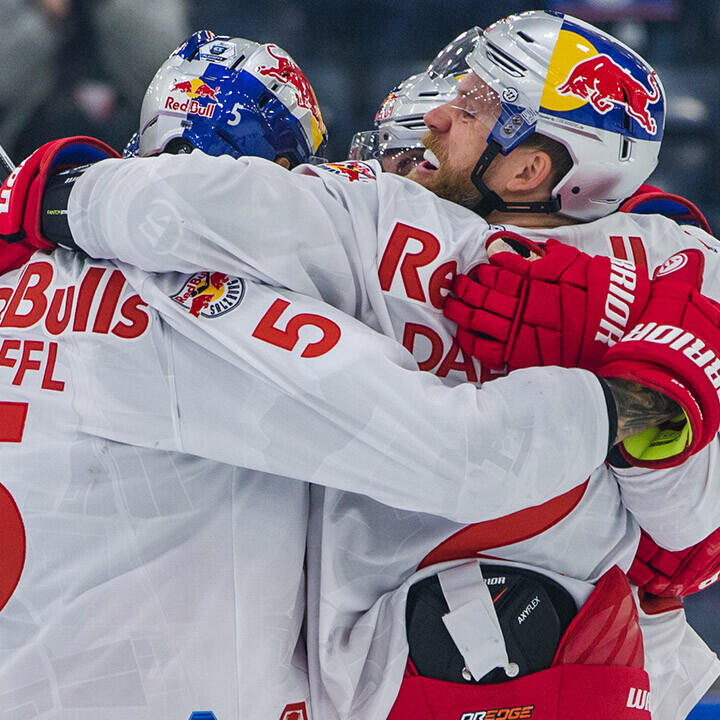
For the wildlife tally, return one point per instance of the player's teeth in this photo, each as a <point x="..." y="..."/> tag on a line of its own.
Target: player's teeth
<point x="430" y="156"/>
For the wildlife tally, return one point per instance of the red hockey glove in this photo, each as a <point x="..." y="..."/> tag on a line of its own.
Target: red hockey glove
<point x="675" y="349"/>
<point x="22" y="192"/>
<point x="565" y="308"/>
<point x="675" y="574"/>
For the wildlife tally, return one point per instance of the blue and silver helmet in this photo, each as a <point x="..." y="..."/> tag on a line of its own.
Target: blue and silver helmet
<point x="231" y="96"/>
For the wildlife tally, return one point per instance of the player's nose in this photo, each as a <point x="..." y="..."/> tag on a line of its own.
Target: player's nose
<point x="438" y="119"/>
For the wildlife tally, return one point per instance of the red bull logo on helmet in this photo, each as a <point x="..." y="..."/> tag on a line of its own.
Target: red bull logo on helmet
<point x="605" y="83"/>
<point x="288" y="72"/>
<point x="386" y="109"/>
<point x="210" y="294"/>
<point x="192" y="92"/>
<point x="593" y="81"/>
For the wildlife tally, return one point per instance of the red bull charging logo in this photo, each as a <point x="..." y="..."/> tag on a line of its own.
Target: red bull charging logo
<point x="288" y="73"/>
<point x="386" y="109"/>
<point x="605" y="84"/>
<point x="351" y="170"/>
<point x="195" y="90"/>
<point x="210" y="294"/>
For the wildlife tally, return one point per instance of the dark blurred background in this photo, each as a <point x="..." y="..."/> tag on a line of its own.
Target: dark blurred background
<point x="81" y="67"/>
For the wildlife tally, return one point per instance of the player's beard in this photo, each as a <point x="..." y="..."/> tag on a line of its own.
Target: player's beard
<point x="447" y="182"/>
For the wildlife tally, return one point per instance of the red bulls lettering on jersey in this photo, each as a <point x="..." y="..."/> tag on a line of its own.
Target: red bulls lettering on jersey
<point x="76" y="308"/>
<point x="397" y="255"/>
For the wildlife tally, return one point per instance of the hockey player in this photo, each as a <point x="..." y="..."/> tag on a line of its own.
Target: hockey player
<point x="396" y="141"/>
<point x="135" y="614"/>
<point x="346" y="244"/>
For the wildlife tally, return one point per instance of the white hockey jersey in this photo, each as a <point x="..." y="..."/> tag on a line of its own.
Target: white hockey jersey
<point x="384" y="249"/>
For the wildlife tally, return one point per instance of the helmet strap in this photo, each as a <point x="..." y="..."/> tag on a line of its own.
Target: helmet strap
<point x="492" y="201"/>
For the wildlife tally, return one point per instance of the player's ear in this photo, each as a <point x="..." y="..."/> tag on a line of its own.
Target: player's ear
<point x="531" y="169"/>
<point x="283" y="161"/>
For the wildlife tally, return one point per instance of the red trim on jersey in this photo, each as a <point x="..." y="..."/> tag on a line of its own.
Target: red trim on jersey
<point x="506" y="530"/>
<point x="619" y="249"/>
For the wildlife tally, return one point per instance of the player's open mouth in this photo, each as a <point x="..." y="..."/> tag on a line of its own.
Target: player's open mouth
<point x="430" y="162"/>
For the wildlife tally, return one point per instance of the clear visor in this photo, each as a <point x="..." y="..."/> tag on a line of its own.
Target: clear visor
<point x="484" y="92"/>
<point x="452" y="59"/>
<point x="363" y="145"/>
<point x="400" y="161"/>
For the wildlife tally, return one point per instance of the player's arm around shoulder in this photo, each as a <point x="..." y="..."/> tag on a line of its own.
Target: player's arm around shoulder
<point x="292" y="386"/>
<point x="243" y="216"/>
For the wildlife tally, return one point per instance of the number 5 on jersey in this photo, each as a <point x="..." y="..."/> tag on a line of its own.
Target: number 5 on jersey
<point x="268" y="331"/>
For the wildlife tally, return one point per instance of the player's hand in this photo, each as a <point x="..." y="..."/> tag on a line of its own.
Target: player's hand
<point x="21" y="194"/>
<point x="557" y="306"/>
<point x="668" y="573"/>
<point x="675" y="350"/>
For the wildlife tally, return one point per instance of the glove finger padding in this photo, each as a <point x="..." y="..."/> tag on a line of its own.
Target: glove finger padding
<point x="674" y="349"/>
<point x="676" y="573"/>
<point x="21" y="193"/>
<point x="564" y="308"/>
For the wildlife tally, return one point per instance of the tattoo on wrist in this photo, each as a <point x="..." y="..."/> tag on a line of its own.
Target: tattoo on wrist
<point x="639" y="407"/>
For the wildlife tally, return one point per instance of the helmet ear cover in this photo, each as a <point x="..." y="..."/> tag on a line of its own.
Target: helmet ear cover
<point x="178" y="146"/>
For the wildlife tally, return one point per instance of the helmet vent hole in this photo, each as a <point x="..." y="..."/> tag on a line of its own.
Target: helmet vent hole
<point x="274" y="87"/>
<point x="525" y="36"/>
<point x="237" y="62"/>
<point x="625" y="149"/>
<point x="575" y="190"/>
<point x="505" y="62"/>
<point x="264" y="100"/>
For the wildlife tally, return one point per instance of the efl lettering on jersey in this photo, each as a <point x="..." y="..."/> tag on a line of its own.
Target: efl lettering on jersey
<point x="31" y="358"/>
<point x="518" y="712"/>
<point x="97" y="303"/>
